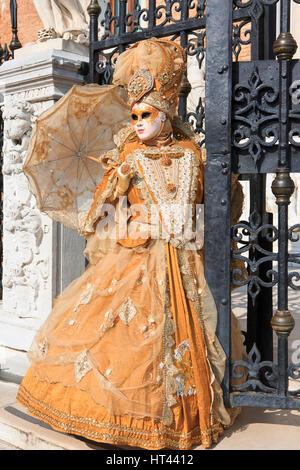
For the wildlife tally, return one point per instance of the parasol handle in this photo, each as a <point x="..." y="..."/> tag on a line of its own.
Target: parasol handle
<point x="92" y="158"/>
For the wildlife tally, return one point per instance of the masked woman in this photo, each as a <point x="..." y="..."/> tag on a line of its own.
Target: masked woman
<point x="129" y="354"/>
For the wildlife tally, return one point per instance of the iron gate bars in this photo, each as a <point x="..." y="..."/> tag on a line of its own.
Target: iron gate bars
<point x="268" y="95"/>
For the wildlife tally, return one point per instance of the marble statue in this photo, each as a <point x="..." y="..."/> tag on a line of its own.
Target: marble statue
<point x="63" y="18"/>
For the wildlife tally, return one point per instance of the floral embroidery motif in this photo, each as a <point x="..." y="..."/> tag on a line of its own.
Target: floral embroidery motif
<point x="172" y="205"/>
<point x="85" y="297"/>
<point x="82" y="366"/>
<point x="114" y="286"/>
<point x="140" y="83"/>
<point x="121" y="137"/>
<point x="152" y="179"/>
<point x="185" y="378"/>
<point x="167" y="367"/>
<point x="43" y="348"/>
<point x="127" y="311"/>
<point x="108" y="322"/>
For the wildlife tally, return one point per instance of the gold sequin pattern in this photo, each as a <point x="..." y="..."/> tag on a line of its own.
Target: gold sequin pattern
<point x="115" y="433"/>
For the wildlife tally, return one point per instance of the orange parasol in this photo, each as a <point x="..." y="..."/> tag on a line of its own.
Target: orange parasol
<point x="62" y="163"/>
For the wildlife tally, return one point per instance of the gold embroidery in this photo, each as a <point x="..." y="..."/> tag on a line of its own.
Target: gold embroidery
<point x="43" y="348"/>
<point x="108" y="322"/>
<point x="165" y="437"/>
<point x="127" y="311"/>
<point x="174" y="207"/>
<point x="85" y="297"/>
<point x="112" y="289"/>
<point x="185" y="378"/>
<point x="110" y="159"/>
<point x="139" y="84"/>
<point x="82" y="366"/>
<point x="124" y="135"/>
<point x="172" y="151"/>
<point x="168" y="368"/>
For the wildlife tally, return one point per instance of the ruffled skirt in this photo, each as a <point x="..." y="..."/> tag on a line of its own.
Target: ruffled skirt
<point x="129" y="356"/>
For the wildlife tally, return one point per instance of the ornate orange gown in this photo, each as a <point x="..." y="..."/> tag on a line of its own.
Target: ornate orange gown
<point x="129" y="354"/>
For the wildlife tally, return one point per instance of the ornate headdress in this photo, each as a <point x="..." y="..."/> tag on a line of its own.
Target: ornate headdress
<point x="152" y="71"/>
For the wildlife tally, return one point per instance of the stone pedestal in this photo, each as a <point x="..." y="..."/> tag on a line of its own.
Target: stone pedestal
<point x="40" y="256"/>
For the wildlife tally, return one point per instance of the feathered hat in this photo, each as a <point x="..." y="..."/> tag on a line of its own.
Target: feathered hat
<point x="152" y="71"/>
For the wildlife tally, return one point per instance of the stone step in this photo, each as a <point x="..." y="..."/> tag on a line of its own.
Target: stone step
<point x="19" y="430"/>
<point x="6" y="446"/>
<point x="254" y="429"/>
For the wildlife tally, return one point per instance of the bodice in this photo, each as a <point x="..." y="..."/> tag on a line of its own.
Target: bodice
<point x="166" y="183"/>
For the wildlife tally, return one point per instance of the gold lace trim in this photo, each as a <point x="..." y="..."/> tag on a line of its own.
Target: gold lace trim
<point x="172" y="151"/>
<point x="85" y="297"/>
<point x="82" y="366"/>
<point x="190" y="283"/>
<point x="186" y="192"/>
<point x="94" y="216"/>
<point x="165" y="437"/>
<point x="110" y="159"/>
<point x="125" y="135"/>
<point x="127" y="311"/>
<point x="43" y="348"/>
<point x="168" y="367"/>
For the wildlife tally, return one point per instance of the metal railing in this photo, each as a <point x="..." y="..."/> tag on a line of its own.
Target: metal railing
<point x="7" y="52"/>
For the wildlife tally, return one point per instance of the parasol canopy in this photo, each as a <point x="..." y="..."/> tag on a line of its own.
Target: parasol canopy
<point x="62" y="163"/>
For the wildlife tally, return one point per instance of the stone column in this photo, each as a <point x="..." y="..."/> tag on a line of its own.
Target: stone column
<point x="41" y="257"/>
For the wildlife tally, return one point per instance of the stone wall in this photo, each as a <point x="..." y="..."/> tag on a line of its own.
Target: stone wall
<point x="40" y="257"/>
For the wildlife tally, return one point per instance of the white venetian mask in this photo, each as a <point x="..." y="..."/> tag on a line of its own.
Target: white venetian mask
<point x="147" y="121"/>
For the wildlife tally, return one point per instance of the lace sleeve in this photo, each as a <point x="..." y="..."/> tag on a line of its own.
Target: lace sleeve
<point x="105" y="192"/>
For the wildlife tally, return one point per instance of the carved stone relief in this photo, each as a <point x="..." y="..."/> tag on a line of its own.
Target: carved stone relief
<point x="25" y="267"/>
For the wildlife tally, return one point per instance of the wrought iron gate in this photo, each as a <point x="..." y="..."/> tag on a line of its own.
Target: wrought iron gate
<point x="252" y="112"/>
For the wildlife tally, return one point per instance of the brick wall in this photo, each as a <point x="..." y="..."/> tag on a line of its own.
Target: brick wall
<point x="28" y="22"/>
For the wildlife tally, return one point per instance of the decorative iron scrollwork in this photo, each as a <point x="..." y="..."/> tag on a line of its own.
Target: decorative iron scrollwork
<point x="294" y="114"/>
<point x="294" y="236"/>
<point x="252" y="230"/>
<point x="105" y="64"/>
<point x="133" y="19"/>
<point x="294" y="371"/>
<point x="253" y="115"/>
<point x="196" y="119"/>
<point x="109" y="22"/>
<point x="256" y="7"/>
<point x="167" y="11"/>
<point x="196" y="46"/>
<point x="291" y="236"/>
<point x="200" y="7"/>
<point x="254" y="372"/>
<point x="240" y="37"/>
